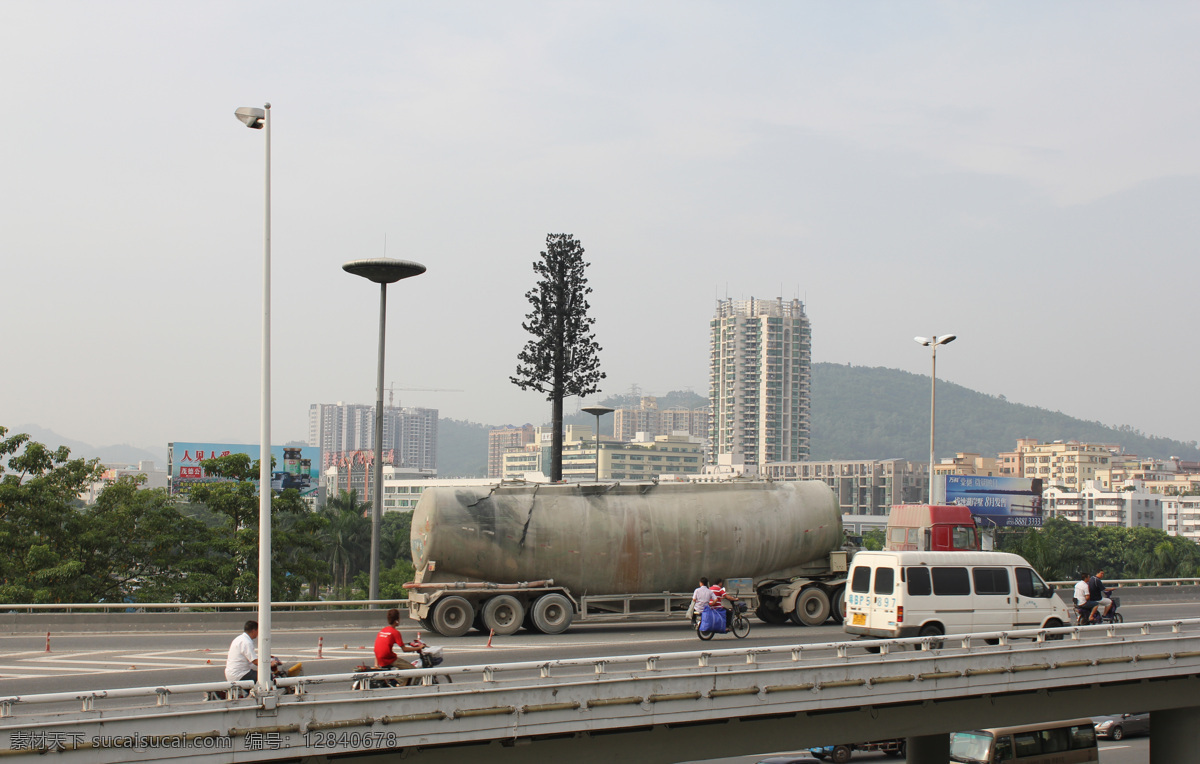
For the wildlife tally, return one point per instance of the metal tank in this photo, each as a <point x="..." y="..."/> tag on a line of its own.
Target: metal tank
<point x="623" y="538"/>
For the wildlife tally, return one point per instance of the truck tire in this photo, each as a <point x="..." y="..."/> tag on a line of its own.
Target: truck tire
<point x="771" y="615"/>
<point x="840" y="754"/>
<point x="812" y="607"/>
<point x="452" y="617"/>
<point x="503" y="614"/>
<point x="552" y="613"/>
<point x="837" y="604"/>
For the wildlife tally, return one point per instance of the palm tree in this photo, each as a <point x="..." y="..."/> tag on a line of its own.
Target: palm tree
<point x="347" y="537"/>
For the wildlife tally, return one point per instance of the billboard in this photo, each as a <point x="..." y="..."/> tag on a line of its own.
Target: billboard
<point x="295" y="466"/>
<point x="997" y="500"/>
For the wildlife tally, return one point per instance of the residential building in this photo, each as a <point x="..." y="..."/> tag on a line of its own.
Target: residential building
<point x="1163" y="476"/>
<point x="410" y="433"/>
<point x="967" y="464"/>
<point x="1181" y="516"/>
<point x="862" y="486"/>
<point x="648" y="418"/>
<point x="662" y="455"/>
<point x="355" y="471"/>
<point x="1069" y="464"/>
<point x="760" y="363"/>
<point x="504" y="439"/>
<point x="1096" y="505"/>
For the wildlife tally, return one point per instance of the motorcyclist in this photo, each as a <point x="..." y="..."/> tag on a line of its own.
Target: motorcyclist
<point x="1097" y="594"/>
<point x="390" y="636"/>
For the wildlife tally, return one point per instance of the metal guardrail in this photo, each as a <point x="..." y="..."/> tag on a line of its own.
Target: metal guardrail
<point x="1119" y="582"/>
<point x="493" y="675"/>
<point x="248" y="607"/>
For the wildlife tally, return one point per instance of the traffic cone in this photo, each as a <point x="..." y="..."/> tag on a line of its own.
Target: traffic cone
<point x="47" y="641"/>
<point x="320" y="646"/>
<point x="491" y="634"/>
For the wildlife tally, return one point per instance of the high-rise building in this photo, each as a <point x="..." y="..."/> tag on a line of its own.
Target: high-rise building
<point x="409" y="432"/>
<point x="648" y="418"/>
<point x="504" y="439"/>
<point x="759" y="380"/>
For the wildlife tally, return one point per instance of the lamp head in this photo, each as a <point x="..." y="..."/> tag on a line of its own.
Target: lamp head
<point x="946" y="340"/>
<point x="921" y="340"/>
<point x="251" y="117"/>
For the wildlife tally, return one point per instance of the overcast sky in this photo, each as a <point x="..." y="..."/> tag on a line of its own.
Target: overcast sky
<point x="1022" y="174"/>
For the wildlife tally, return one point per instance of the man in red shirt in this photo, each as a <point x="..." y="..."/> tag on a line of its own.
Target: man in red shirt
<point x="388" y="636"/>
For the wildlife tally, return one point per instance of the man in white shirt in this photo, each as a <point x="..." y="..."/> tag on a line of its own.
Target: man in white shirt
<point x="242" y="662"/>
<point x="701" y="597"/>
<point x="1082" y="595"/>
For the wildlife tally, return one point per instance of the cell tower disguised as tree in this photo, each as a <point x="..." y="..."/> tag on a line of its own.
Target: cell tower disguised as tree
<point x="561" y="359"/>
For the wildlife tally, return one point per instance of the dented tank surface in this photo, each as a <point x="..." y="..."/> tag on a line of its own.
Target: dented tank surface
<point x="623" y="538"/>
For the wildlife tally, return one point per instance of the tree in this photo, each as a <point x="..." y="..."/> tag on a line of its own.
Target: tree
<point x="562" y="358"/>
<point x="347" y="538"/>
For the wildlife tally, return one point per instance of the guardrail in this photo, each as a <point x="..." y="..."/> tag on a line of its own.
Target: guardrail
<point x="1115" y="582"/>
<point x="641" y="665"/>
<point x="248" y="607"/>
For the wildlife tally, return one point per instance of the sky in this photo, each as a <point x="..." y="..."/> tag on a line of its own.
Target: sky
<point x="1025" y="175"/>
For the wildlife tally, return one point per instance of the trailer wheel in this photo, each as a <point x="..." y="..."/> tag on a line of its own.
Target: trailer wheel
<point x="812" y="607"/>
<point x="837" y="603"/>
<point x="840" y="755"/>
<point x="453" y="617"/>
<point x="503" y="614"/>
<point x="552" y="613"/>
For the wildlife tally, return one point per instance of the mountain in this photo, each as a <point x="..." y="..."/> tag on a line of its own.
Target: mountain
<point x="118" y="454"/>
<point x="861" y="412"/>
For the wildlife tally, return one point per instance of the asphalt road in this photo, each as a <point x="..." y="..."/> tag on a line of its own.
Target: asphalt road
<point x="138" y="659"/>
<point x="1127" y="751"/>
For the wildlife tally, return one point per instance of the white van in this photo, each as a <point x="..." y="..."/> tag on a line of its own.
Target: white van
<point x="910" y="594"/>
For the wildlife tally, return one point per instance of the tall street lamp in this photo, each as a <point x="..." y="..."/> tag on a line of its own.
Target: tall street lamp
<point x="932" y="343"/>
<point x="598" y="411"/>
<point x="382" y="271"/>
<point x="260" y="119"/>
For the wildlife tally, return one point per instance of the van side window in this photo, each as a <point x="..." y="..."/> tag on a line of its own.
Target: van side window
<point x="1027" y="744"/>
<point x="951" y="581"/>
<point x="1055" y="740"/>
<point x="885" y="580"/>
<point x="1083" y="736"/>
<point x="918" y="581"/>
<point x="861" y="584"/>
<point x="1030" y="584"/>
<point x="991" y="580"/>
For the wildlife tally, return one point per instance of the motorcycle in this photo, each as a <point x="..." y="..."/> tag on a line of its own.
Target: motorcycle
<point x="1092" y="616"/>
<point x="429" y="657"/>
<point x="278" y="670"/>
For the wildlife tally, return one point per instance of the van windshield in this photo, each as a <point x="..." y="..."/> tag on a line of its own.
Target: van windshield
<point x="971" y="747"/>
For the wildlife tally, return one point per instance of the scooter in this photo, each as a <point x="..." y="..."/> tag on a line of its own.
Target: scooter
<point x="1092" y="616"/>
<point x="430" y="657"/>
<point x="278" y="670"/>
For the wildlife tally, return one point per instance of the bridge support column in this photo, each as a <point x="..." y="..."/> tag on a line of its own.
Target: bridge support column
<point x="928" y="749"/>
<point x="1173" y="735"/>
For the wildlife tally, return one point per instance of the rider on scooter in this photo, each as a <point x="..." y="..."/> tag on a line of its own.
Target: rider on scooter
<point x="388" y="636"/>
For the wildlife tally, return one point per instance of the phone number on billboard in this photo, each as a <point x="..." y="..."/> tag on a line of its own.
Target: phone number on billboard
<point x="1031" y="521"/>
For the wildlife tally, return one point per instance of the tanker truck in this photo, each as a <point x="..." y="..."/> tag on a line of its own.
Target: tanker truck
<point x="501" y="557"/>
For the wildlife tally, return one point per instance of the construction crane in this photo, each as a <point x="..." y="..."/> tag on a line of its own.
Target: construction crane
<point x="392" y="391"/>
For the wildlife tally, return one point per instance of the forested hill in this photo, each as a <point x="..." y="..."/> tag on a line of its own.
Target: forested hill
<point x="861" y="412"/>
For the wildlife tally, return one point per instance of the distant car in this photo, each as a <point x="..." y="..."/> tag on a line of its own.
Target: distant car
<point x="1119" y="725"/>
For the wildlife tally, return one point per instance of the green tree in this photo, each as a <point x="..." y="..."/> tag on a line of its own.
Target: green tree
<point x="346" y="538"/>
<point x="296" y="541"/>
<point x="562" y="358"/>
<point x="39" y="521"/>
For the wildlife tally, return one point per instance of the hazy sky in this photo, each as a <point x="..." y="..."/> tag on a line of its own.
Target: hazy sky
<point x="1022" y="174"/>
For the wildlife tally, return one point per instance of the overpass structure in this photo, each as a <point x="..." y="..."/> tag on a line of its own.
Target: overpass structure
<point x="659" y="708"/>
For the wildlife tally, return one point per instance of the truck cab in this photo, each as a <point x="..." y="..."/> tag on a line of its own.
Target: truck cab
<point x="930" y="527"/>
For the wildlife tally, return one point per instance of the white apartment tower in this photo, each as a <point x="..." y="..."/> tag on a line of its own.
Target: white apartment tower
<point x="759" y="380"/>
<point x="410" y="432"/>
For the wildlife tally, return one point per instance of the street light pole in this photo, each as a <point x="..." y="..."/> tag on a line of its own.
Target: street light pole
<point x="932" y="343"/>
<point x="260" y="119"/>
<point x="598" y="411"/>
<point x="382" y="271"/>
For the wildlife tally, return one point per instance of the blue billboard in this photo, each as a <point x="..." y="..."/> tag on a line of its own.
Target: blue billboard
<point x="295" y="466"/>
<point x="996" y="500"/>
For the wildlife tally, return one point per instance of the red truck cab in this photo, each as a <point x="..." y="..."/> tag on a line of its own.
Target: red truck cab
<point x="928" y="527"/>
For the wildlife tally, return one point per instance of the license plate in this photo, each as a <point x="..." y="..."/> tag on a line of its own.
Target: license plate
<point x="860" y="619"/>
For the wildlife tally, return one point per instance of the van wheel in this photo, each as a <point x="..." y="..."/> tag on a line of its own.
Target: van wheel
<point x="1054" y="623"/>
<point x="812" y="607"/>
<point x="933" y="630"/>
<point x="840" y="755"/>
